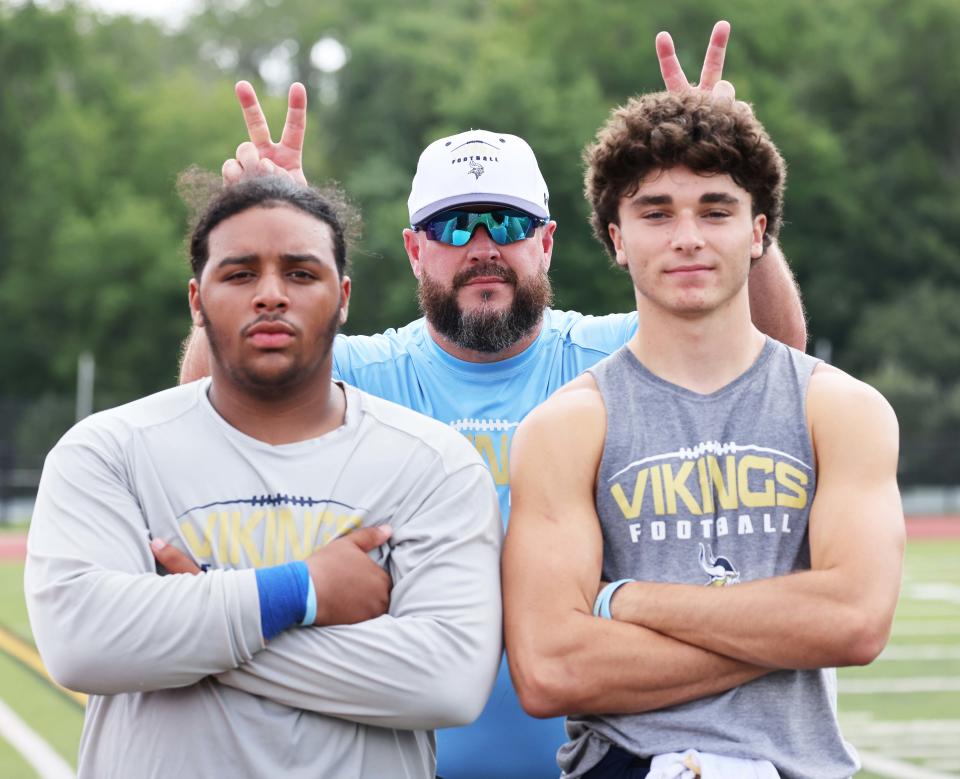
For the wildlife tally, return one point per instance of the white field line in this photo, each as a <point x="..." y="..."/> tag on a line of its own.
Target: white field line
<point x="897" y="769"/>
<point x="905" y="744"/>
<point x="933" y="627"/>
<point x="945" y="764"/>
<point x="37" y="752"/>
<point x="921" y="752"/>
<point x="883" y="745"/>
<point x="906" y="652"/>
<point x="940" y="728"/>
<point x="932" y="591"/>
<point x="884" y="686"/>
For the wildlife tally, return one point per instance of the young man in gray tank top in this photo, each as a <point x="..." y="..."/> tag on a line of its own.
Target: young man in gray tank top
<point x="708" y="523"/>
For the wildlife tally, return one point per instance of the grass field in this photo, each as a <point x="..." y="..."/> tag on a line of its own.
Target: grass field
<point x="906" y="705"/>
<point x="902" y="712"/>
<point x="43" y="707"/>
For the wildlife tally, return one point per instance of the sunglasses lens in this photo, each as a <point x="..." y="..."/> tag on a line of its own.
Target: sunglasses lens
<point x="450" y="227"/>
<point x="505" y="226"/>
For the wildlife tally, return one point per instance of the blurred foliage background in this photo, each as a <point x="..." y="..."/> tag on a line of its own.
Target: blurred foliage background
<point x="98" y="115"/>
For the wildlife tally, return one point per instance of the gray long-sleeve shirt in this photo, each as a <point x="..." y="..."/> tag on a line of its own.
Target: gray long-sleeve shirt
<point x="182" y="682"/>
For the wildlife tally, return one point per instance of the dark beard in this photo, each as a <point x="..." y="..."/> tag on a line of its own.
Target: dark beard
<point x="484" y="330"/>
<point x="276" y="385"/>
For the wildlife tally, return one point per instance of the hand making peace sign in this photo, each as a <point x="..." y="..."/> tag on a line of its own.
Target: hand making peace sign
<point x="260" y="156"/>
<point x="712" y="71"/>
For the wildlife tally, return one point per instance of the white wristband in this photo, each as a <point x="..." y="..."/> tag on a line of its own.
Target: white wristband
<point x="601" y="606"/>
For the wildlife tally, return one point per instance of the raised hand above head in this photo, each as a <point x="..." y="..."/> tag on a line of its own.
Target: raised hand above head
<point x="260" y="156"/>
<point x="712" y="73"/>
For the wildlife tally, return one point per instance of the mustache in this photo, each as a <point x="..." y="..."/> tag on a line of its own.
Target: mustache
<point x="486" y="269"/>
<point x="267" y="318"/>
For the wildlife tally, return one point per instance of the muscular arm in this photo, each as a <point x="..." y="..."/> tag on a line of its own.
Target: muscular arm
<point x="431" y="661"/>
<point x="839" y="612"/>
<point x="775" y="305"/>
<point x="563" y="659"/>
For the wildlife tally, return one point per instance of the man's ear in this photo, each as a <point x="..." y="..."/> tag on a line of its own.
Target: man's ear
<point x="546" y="242"/>
<point x="193" y="296"/>
<point x="759" y="228"/>
<point x="411" y="243"/>
<point x="613" y="229"/>
<point x="344" y="299"/>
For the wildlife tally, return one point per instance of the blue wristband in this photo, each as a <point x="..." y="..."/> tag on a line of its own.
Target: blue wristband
<point x="311" y="613"/>
<point x="601" y="606"/>
<point x="283" y="591"/>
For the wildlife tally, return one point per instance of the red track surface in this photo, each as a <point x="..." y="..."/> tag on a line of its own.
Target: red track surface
<point x="933" y="526"/>
<point x="13" y="547"/>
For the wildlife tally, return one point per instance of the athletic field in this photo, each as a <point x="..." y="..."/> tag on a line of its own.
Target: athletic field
<point x="902" y="712"/>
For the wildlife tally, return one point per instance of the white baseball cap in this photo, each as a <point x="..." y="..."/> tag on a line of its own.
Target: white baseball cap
<point x="477" y="166"/>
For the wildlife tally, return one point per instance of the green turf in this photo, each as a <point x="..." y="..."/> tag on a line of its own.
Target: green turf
<point x="13" y="611"/>
<point x="903" y="668"/>
<point x="930" y="620"/>
<point x="12" y="765"/>
<point x="55" y="717"/>
<point x="903" y="707"/>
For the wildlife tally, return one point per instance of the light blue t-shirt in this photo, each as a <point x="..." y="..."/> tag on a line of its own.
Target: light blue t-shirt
<point x="486" y="402"/>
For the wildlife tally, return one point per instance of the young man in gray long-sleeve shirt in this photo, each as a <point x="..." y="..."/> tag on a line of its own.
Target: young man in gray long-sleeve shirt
<point x="306" y="500"/>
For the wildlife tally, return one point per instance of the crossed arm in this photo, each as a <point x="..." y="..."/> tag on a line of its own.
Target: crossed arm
<point x="840" y="611"/>
<point x="564" y="660"/>
<point x="668" y="644"/>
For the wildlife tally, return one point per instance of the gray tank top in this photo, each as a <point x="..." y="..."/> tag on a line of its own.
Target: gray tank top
<point x="713" y="490"/>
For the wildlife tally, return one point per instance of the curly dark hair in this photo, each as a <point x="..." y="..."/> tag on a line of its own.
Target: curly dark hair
<point x="667" y="130"/>
<point x="210" y="204"/>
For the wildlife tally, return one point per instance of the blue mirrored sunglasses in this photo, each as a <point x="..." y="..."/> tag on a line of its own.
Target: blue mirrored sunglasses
<point x="455" y="227"/>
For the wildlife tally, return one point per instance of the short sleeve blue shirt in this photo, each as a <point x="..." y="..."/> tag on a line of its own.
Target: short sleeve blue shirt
<point x="486" y="402"/>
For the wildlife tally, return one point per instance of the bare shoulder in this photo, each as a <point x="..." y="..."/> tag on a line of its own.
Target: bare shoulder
<point x="834" y="391"/>
<point x="575" y="405"/>
<point x="840" y="406"/>
<point x="564" y="432"/>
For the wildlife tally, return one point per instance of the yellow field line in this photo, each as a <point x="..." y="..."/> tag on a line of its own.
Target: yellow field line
<point x="27" y="655"/>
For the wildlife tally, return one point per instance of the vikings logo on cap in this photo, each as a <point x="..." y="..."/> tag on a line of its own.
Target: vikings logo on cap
<point x="477" y="167"/>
